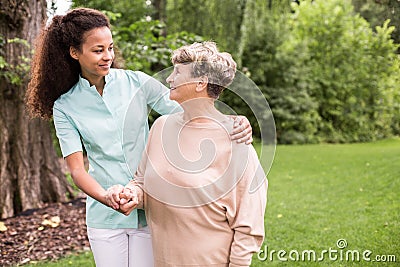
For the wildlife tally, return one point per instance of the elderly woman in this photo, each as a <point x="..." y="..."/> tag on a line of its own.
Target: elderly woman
<point x="193" y="182"/>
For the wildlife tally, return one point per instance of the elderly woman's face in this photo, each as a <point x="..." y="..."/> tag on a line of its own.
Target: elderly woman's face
<point x="182" y="84"/>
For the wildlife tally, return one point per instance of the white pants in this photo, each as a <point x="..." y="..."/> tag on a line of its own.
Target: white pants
<point x="121" y="247"/>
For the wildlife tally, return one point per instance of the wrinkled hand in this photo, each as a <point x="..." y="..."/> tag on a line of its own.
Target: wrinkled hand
<point x="128" y="200"/>
<point x="112" y="196"/>
<point x="122" y="199"/>
<point x="242" y="131"/>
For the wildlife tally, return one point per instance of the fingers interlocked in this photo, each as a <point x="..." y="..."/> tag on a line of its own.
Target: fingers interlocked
<point x="123" y="199"/>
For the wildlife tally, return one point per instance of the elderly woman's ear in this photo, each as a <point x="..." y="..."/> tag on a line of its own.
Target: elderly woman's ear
<point x="202" y="84"/>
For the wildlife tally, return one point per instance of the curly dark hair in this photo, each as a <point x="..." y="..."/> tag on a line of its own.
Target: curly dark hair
<point x="53" y="70"/>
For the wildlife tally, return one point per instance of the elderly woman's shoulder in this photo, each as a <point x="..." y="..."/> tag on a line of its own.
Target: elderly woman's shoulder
<point x="168" y="118"/>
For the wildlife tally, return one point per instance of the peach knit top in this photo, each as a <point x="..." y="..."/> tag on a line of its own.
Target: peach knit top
<point x="205" y="195"/>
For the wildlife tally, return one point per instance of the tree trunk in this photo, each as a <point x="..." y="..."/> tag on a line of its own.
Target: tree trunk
<point x="30" y="173"/>
<point x="159" y="6"/>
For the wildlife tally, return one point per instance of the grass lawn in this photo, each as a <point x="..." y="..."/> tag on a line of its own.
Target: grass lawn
<point x="83" y="259"/>
<point x="319" y="194"/>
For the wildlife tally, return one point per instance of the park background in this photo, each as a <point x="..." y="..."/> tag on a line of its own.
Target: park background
<point x="330" y="71"/>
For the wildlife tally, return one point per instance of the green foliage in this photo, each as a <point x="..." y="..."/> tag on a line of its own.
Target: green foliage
<point x="327" y="76"/>
<point x="14" y="73"/>
<point x="217" y="20"/>
<point x="145" y="47"/>
<point x="3" y="62"/>
<point x="129" y="11"/>
<point x="376" y="12"/>
<point x="263" y="32"/>
<point x="350" y="71"/>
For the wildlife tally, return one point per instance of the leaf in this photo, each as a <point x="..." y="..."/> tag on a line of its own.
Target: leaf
<point x="3" y="227"/>
<point x="53" y="222"/>
<point x="3" y="63"/>
<point x="26" y="260"/>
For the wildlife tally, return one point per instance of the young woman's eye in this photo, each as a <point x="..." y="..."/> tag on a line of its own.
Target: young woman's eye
<point x="111" y="48"/>
<point x="98" y="51"/>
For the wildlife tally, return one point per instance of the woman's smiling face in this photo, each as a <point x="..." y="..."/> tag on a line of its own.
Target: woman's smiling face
<point x="97" y="54"/>
<point x="182" y="84"/>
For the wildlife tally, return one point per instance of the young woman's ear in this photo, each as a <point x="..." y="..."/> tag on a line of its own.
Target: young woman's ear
<point x="202" y="84"/>
<point x="73" y="53"/>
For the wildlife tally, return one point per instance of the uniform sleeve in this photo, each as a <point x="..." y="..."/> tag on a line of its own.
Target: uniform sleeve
<point x="246" y="213"/>
<point x="157" y="95"/>
<point x="139" y="175"/>
<point x="68" y="136"/>
<point x="141" y="170"/>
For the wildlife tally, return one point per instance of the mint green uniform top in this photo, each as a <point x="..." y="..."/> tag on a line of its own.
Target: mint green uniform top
<point x="83" y="116"/>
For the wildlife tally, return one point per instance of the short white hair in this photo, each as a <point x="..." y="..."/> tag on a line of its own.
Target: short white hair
<point x="219" y="67"/>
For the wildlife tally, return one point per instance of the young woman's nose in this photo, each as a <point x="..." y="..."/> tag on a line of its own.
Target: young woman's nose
<point x="108" y="55"/>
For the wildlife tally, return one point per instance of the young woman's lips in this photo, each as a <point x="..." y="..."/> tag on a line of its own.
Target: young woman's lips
<point x="105" y="66"/>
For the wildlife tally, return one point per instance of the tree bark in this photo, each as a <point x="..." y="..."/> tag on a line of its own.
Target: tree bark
<point x="30" y="173"/>
<point x="159" y="6"/>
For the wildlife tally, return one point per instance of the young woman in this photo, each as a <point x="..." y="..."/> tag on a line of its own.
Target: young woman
<point x="74" y="80"/>
<point x="204" y="196"/>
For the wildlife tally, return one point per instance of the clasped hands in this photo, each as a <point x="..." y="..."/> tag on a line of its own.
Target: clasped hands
<point x="123" y="198"/>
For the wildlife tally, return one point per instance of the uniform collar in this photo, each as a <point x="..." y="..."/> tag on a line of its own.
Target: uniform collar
<point x="83" y="83"/>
